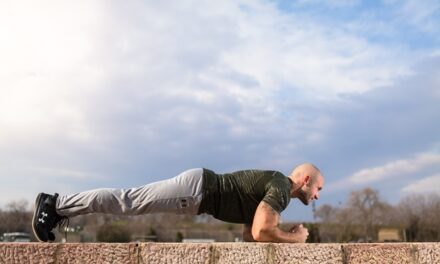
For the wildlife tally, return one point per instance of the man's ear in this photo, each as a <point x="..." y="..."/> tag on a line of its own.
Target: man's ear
<point x="306" y="179"/>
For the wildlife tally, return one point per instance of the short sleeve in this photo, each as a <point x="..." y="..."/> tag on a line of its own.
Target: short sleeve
<point x="277" y="195"/>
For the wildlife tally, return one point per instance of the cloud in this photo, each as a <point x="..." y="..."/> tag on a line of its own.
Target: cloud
<point x="395" y="168"/>
<point x="330" y="3"/>
<point x="68" y="174"/>
<point x="372" y="134"/>
<point x="124" y="94"/>
<point x="421" y="14"/>
<point x="115" y="67"/>
<point x="425" y="185"/>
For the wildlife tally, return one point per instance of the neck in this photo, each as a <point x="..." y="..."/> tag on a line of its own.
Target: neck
<point x="295" y="187"/>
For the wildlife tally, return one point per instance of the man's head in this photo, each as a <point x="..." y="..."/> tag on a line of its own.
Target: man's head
<point x="307" y="183"/>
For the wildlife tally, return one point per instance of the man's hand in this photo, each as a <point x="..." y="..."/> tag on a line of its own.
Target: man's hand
<point x="301" y="231"/>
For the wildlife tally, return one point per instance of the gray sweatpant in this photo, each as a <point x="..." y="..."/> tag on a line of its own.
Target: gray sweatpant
<point x="181" y="195"/>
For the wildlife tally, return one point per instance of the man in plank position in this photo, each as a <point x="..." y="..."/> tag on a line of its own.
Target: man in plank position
<point x="254" y="198"/>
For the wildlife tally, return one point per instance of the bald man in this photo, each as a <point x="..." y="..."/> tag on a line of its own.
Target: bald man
<point x="254" y="198"/>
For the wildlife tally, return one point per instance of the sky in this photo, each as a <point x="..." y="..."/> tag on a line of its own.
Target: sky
<point x="123" y="93"/>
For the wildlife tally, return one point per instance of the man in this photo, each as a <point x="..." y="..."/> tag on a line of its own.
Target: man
<point x="254" y="198"/>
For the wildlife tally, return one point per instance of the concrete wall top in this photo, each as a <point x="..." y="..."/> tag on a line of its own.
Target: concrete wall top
<point x="211" y="253"/>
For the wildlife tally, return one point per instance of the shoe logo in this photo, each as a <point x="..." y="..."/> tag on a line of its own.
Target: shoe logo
<point x="43" y="215"/>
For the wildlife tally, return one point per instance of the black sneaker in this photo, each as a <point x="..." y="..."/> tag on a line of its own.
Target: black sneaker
<point x="45" y="217"/>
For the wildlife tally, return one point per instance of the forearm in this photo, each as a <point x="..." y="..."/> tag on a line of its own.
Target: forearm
<point x="277" y="235"/>
<point x="265" y="227"/>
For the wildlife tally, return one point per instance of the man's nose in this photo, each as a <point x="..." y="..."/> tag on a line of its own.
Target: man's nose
<point x="316" y="196"/>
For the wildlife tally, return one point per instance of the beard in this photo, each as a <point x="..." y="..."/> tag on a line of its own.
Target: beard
<point x="304" y="197"/>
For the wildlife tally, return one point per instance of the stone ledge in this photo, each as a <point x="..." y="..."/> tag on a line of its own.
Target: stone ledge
<point x="212" y="253"/>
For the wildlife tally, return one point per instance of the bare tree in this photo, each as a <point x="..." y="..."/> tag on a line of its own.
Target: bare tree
<point x="326" y="213"/>
<point x="420" y="215"/>
<point x="367" y="210"/>
<point x="357" y="219"/>
<point x="16" y="217"/>
<point x="336" y="224"/>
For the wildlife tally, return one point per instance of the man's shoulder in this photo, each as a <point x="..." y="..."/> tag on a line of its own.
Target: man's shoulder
<point x="278" y="174"/>
<point x="279" y="180"/>
<point x="275" y="176"/>
<point x="273" y="173"/>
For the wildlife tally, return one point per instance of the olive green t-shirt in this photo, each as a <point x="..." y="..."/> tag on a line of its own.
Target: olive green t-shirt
<point x="234" y="197"/>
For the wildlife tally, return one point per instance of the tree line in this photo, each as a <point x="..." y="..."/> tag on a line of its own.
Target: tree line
<point x="357" y="220"/>
<point x="364" y="213"/>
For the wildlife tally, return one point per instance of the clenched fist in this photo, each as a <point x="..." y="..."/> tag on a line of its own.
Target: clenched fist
<point x="301" y="232"/>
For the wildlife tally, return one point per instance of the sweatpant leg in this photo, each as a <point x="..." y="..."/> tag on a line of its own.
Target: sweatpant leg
<point x="181" y="195"/>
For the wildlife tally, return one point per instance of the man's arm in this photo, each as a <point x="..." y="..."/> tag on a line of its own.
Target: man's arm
<point x="265" y="227"/>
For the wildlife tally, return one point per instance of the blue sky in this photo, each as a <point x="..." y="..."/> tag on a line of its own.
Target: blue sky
<point x="119" y="94"/>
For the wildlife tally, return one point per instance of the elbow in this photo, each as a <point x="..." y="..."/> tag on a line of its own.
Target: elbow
<point x="261" y="235"/>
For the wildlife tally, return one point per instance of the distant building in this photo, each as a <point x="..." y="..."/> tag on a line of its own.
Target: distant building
<point x="16" y="237"/>
<point x="390" y="235"/>
<point x="198" y="240"/>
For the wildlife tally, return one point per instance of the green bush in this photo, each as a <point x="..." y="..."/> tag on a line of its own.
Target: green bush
<point x="114" y="232"/>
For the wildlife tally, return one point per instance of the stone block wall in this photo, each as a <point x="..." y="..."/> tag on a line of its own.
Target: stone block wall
<point x="212" y="253"/>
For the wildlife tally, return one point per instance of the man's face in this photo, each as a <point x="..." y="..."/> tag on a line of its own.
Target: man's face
<point x="310" y="190"/>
